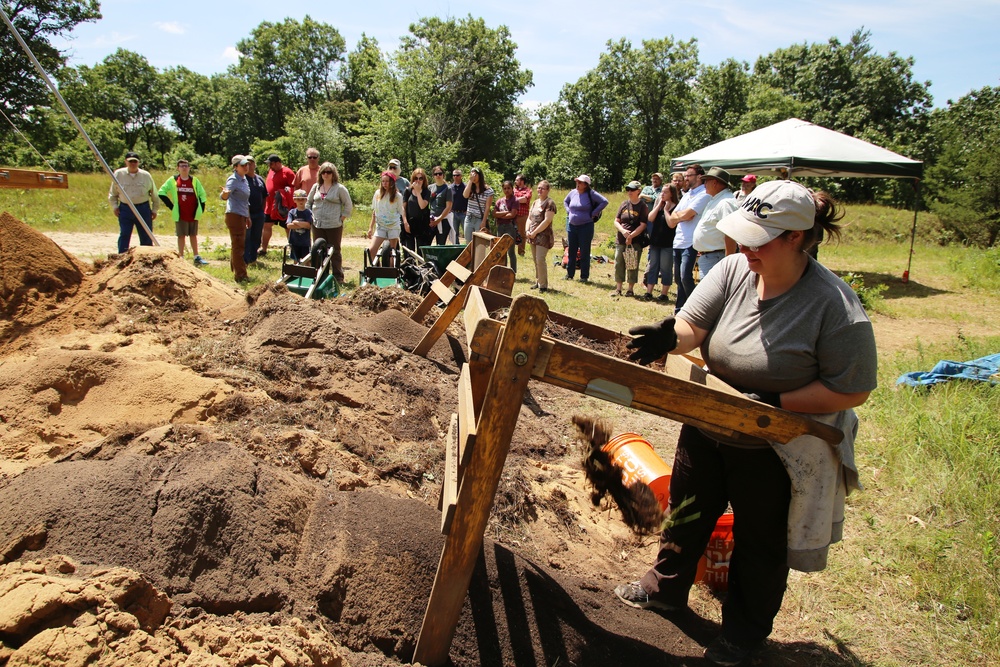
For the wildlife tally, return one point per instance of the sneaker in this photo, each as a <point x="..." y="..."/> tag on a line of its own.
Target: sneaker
<point x="634" y="595"/>
<point x="543" y="290"/>
<point x="630" y="293"/>
<point x="585" y="281"/>
<point x="663" y="297"/>
<point x="616" y="292"/>
<point x="198" y="261"/>
<point x="726" y="653"/>
<point x="647" y="297"/>
<point x="535" y="286"/>
<point x="567" y="277"/>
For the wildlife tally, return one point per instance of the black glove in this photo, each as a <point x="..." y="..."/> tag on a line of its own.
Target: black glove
<point x="652" y="341"/>
<point x="769" y="397"/>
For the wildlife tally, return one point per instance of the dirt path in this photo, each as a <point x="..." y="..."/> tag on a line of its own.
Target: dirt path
<point x="90" y="245"/>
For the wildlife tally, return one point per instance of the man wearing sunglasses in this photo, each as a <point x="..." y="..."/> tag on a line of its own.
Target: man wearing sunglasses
<point x="308" y="174"/>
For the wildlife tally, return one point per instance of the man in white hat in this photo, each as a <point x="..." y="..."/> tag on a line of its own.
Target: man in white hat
<point x="708" y="240"/>
<point x="401" y="181"/>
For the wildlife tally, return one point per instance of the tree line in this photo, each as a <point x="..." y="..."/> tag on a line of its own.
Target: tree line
<point x="448" y="95"/>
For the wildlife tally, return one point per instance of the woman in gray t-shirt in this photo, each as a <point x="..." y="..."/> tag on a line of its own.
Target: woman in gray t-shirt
<point x="778" y="326"/>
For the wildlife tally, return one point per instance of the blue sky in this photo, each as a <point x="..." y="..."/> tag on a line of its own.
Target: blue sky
<point x="955" y="47"/>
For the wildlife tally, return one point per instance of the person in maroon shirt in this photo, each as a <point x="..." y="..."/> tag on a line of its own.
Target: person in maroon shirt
<point x="522" y="193"/>
<point x="185" y="197"/>
<point x="279" y="180"/>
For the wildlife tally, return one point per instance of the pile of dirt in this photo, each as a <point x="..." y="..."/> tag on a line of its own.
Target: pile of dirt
<point x="35" y="274"/>
<point x="253" y="479"/>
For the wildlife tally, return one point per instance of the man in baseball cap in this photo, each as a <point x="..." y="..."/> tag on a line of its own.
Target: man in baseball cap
<point x="747" y="184"/>
<point x="136" y="185"/>
<point x="401" y="181"/>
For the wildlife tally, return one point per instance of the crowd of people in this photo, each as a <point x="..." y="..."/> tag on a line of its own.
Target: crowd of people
<point x="675" y="221"/>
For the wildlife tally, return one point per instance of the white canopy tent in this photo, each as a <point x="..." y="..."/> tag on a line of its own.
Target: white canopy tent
<point x="796" y="148"/>
<point x="802" y="149"/>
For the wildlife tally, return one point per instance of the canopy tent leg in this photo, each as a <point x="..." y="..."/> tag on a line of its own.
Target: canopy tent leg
<point x="913" y="231"/>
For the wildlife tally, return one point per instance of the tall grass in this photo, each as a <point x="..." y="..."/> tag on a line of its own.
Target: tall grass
<point x="924" y="552"/>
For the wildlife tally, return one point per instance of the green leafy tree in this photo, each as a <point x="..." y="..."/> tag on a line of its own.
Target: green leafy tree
<point x="459" y="81"/>
<point x="722" y="100"/>
<point x="365" y="72"/>
<point x="37" y="21"/>
<point x="629" y="105"/>
<point x="560" y="156"/>
<point x="965" y="181"/>
<point x="193" y="102"/>
<point x="290" y="66"/>
<point x="123" y="88"/>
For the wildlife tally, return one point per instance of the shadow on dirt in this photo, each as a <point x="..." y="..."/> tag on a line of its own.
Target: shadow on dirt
<point x="519" y="609"/>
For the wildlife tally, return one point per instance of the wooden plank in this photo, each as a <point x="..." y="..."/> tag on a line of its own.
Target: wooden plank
<point x="467" y="418"/>
<point x="420" y="312"/>
<point x="684" y="392"/>
<point x="475" y="310"/>
<point x="495" y="301"/>
<point x="437" y="329"/>
<point x="501" y="279"/>
<point x="443" y="293"/>
<point x="511" y="373"/>
<point x="459" y="271"/>
<point x="30" y="179"/>
<point x="449" y="488"/>
<point x="481" y="244"/>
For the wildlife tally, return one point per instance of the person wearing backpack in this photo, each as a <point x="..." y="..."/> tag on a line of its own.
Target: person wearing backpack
<point x="279" y="198"/>
<point x="184" y="196"/>
<point x="584" y="207"/>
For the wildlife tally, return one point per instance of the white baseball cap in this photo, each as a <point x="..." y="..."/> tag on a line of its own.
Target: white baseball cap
<point x="771" y="209"/>
<point x="584" y="178"/>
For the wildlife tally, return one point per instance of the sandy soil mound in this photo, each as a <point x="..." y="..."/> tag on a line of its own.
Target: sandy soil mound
<point x="192" y="475"/>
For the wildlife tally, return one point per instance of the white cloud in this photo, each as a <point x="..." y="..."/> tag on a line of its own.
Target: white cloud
<point x="173" y="27"/>
<point x="231" y="55"/>
<point x="111" y="40"/>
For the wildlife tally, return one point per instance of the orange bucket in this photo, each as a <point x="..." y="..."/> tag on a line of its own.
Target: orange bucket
<point x="638" y="462"/>
<point x="713" y="568"/>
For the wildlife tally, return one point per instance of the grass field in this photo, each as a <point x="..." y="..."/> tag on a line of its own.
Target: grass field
<point x="916" y="580"/>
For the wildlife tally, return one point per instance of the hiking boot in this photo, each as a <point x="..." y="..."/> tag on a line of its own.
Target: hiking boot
<point x="634" y="595"/>
<point x="198" y="261"/>
<point x="726" y="653"/>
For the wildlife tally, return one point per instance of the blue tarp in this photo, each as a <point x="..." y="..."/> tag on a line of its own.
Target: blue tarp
<point x="984" y="369"/>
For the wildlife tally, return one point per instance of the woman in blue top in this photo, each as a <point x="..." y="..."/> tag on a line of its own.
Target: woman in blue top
<point x="236" y="194"/>
<point x="583" y="208"/>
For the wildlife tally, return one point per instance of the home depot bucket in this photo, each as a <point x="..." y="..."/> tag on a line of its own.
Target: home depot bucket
<point x="713" y="568"/>
<point x="638" y="462"/>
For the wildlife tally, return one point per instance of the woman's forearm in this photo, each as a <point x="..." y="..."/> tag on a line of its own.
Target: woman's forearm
<point x="816" y="398"/>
